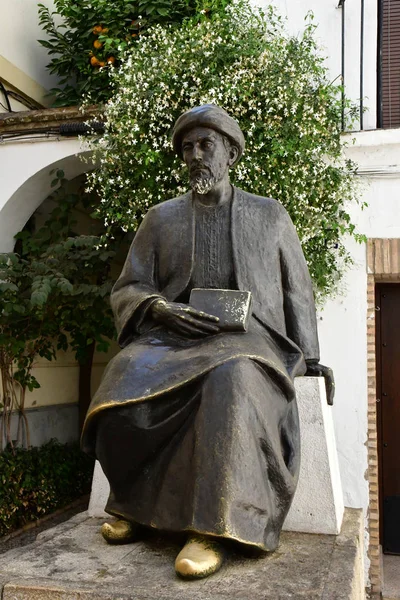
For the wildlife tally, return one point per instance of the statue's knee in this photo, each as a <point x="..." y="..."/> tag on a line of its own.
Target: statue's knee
<point x="233" y="373"/>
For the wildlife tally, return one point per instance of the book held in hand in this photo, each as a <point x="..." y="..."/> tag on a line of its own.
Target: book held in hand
<point x="232" y="307"/>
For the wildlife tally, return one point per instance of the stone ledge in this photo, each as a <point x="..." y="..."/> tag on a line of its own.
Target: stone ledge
<point x="72" y="562"/>
<point x="347" y="561"/>
<point x="31" y="121"/>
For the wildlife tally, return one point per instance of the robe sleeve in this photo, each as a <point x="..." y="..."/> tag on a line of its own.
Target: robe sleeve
<point x="299" y="304"/>
<point x="136" y="289"/>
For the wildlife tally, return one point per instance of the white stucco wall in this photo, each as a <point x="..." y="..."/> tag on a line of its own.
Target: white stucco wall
<point x="20" y="31"/>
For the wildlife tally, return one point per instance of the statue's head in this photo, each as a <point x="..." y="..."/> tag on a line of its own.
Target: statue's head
<point x="210" y="142"/>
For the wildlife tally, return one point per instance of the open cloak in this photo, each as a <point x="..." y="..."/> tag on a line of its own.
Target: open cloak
<point x="268" y="261"/>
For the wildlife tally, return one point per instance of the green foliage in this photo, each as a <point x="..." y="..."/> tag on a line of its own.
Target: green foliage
<point x="54" y="294"/>
<point x="276" y="86"/>
<point x="72" y="273"/>
<point x="37" y="481"/>
<point x="93" y="34"/>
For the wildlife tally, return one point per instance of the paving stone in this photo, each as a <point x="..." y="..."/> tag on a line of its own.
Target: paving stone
<point x="391" y="577"/>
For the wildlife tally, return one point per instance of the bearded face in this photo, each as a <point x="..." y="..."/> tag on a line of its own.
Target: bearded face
<point x="206" y="154"/>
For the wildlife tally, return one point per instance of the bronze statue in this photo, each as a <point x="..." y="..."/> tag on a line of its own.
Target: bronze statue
<point x="197" y="429"/>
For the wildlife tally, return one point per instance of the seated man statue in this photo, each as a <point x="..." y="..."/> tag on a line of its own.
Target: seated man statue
<point x="197" y="429"/>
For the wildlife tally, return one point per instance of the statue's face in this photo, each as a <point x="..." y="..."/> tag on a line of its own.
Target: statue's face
<point x="208" y="157"/>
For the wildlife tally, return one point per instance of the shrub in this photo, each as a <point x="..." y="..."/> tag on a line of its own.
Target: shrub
<point x="277" y="88"/>
<point x="37" y="481"/>
<point x="93" y="33"/>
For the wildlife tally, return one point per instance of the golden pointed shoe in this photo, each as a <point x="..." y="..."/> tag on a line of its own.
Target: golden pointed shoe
<point x="199" y="557"/>
<point x="119" y="532"/>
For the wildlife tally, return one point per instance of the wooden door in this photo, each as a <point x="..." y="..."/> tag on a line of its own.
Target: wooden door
<point x="388" y="398"/>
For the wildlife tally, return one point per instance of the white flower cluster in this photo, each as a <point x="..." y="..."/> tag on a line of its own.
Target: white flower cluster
<point x="274" y="85"/>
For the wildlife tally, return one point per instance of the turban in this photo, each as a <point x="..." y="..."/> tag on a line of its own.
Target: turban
<point x="212" y="116"/>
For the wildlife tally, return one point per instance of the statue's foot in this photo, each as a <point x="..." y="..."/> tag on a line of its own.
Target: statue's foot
<point x="200" y="557"/>
<point x="119" y="532"/>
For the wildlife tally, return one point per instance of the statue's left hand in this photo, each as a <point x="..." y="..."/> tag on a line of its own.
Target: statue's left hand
<point x="315" y="369"/>
<point x="184" y="319"/>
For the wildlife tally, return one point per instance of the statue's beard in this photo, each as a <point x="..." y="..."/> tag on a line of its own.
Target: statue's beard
<point x="202" y="183"/>
<point x="203" y="180"/>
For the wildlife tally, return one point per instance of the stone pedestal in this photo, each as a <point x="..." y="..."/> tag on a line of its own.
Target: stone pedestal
<point x="73" y="562"/>
<point x="318" y="503"/>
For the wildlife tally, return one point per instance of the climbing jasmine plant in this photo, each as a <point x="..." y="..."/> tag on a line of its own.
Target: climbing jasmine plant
<point x="276" y="86"/>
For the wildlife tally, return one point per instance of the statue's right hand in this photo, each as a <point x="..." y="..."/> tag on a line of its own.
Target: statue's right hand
<point x="184" y="319"/>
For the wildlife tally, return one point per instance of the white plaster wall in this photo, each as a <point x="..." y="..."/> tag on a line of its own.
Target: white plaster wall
<point x="343" y="334"/>
<point x="328" y="18"/>
<point x="20" y="31"/>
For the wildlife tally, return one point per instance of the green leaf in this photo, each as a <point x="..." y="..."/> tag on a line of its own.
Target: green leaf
<point x="8" y="287"/>
<point x="19" y="308"/>
<point x="65" y="286"/>
<point x="38" y="298"/>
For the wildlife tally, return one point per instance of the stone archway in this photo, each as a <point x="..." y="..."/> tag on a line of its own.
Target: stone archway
<point x="26" y="179"/>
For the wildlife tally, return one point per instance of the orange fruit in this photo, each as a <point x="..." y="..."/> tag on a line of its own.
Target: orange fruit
<point x="97" y="44"/>
<point x="134" y="34"/>
<point x="97" y="29"/>
<point x="104" y="30"/>
<point x="111" y="60"/>
<point x="94" y="62"/>
<point x="102" y="63"/>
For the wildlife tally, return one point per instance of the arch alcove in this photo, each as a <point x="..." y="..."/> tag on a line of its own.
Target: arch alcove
<point x="25" y="183"/>
<point x="26" y="179"/>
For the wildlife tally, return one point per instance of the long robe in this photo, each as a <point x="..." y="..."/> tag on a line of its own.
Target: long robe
<point x="200" y="434"/>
